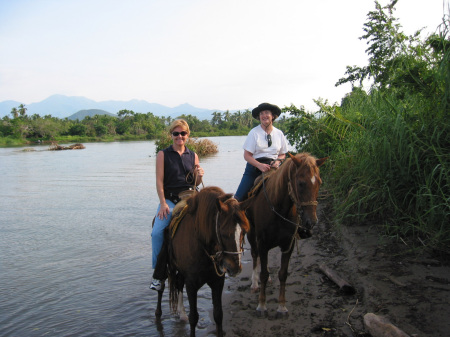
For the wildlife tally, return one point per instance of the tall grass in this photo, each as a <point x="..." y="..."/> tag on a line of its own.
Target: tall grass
<point x="389" y="158"/>
<point x="396" y="170"/>
<point x="390" y="164"/>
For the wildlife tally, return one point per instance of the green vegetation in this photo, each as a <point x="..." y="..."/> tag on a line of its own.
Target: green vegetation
<point x="389" y="148"/>
<point x="128" y="125"/>
<point x="202" y="147"/>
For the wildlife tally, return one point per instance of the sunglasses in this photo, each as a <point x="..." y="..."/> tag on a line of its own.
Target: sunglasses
<point x="176" y="133"/>
<point x="269" y="140"/>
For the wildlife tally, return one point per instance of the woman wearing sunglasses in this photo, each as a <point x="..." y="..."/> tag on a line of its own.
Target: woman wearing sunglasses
<point x="264" y="148"/>
<point x="173" y="167"/>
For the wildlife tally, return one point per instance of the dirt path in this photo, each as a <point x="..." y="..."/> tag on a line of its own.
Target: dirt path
<point x="413" y="292"/>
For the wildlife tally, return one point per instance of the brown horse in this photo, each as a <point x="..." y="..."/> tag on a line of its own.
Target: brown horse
<point x="280" y="211"/>
<point x="206" y="244"/>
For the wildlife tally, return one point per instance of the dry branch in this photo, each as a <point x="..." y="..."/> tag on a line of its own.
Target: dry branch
<point x="344" y="286"/>
<point x="380" y="327"/>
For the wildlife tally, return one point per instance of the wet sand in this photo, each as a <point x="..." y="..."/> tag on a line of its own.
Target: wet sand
<point x="411" y="291"/>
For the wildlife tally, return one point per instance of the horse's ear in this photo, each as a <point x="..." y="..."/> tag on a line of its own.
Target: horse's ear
<point x="220" y="201"/>
<point x="295" y="159"/>
<point x="320" y="161"/>
<point x="221" y="205"/>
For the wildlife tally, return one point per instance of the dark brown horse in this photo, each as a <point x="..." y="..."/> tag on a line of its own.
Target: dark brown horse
<point x="280" y="211"/>
<point x="206" y="244"/>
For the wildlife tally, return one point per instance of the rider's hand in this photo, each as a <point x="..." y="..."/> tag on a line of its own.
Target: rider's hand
<point x="263" y="167"/>
<point x="276" y="164"/>
<point x="199" y="171"/>
<point x="164" y="210"/>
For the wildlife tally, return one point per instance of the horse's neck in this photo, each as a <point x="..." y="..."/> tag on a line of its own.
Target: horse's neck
<point x="278" y="185"/>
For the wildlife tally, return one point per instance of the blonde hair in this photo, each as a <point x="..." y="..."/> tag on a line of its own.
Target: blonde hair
<point x="179" y="123"/>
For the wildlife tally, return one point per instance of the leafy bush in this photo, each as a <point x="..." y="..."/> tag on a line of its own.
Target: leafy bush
<point x="202" y="147"/>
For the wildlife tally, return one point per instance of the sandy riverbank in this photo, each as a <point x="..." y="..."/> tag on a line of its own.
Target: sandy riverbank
<point x="413" y="292"/>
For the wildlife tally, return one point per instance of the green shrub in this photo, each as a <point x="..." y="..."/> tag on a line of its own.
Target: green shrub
<point x="202" y="147"/>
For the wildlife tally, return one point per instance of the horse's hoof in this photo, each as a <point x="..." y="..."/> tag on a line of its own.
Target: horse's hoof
<point x="261" y="313"/>
<point x="254" y="290"/>
<point x="281" y="315"/>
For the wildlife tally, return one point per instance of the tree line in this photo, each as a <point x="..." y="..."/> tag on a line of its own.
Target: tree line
<point x="128" y="125"/>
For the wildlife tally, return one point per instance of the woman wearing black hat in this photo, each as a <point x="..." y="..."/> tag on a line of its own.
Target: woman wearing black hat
<point x="265" y="147"/>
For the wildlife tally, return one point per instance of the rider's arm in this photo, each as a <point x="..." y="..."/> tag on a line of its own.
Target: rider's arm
<point x="164" y="208"/>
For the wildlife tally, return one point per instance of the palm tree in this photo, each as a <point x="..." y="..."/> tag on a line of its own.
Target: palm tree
<point x="226" y="116"/>
<point x="217" y="118"/>
<point x="22" y="110"/>
<point x="15" y="112"/>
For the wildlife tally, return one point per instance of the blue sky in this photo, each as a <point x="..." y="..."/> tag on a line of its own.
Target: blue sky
<point x="215" y="54"/>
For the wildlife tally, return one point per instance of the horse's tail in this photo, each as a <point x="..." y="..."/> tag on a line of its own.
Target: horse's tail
<point x="173" y="285"/>
<point x="173" y="295"/>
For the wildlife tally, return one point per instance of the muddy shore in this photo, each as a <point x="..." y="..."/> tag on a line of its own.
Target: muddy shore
<point x="411" y="290"/>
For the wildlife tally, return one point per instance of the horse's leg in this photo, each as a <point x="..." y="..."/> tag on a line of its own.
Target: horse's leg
<point x="193" y="312"/>
<point x="254" y="252"/>
<point x="255" y="274"/>
<point x="216" y="291"/>
<point x="282" y="276"/>
<point x="264" y="276"/>
<point x="158" y="311"/>
<point x="180" y="307"/>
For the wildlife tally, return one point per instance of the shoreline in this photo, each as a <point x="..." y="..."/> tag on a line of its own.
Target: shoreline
<point x="412" y="292"/>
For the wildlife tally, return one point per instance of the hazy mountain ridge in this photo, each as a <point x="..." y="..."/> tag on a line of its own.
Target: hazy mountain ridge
<point x="61" y="106"/>
<point x="80" y="115"/>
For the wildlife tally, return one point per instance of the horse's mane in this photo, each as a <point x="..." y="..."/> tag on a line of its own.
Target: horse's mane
<point x="277" y="180"/>
<point x="203" y="207"/>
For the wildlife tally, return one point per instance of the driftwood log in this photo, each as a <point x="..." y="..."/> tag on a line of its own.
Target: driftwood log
<point x="344" y="286"/>
<point x="379" y="326"/>
<point x="56" y="147"/>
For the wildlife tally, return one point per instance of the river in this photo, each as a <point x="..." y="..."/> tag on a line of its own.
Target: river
<point x="75" y="247"/>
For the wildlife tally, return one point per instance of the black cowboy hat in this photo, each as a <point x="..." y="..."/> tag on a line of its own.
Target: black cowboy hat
<point x="276" y="111"/>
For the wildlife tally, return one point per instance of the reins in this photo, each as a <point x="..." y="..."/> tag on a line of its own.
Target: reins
<point x="191" y="177"/>
<point x="215" y="258"/>
<point x="298" y="206"/>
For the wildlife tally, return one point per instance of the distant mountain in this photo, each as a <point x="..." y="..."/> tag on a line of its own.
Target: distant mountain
<point x="64" y="106"/>
<point x="80" y="115"/>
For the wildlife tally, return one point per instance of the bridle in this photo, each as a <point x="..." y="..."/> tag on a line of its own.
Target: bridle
<point x="298" y="206"/>
<point x="218" y="255"/>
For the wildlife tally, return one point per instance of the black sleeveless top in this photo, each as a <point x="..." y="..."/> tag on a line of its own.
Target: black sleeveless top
<point x="176" y="168"/>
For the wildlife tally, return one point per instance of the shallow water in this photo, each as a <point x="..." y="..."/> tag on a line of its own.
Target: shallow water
<point x="75" y="248"/>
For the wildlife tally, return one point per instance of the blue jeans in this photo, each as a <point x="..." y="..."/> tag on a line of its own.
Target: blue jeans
<point x="248" y="178"/>
<point x="158" y="232"/>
